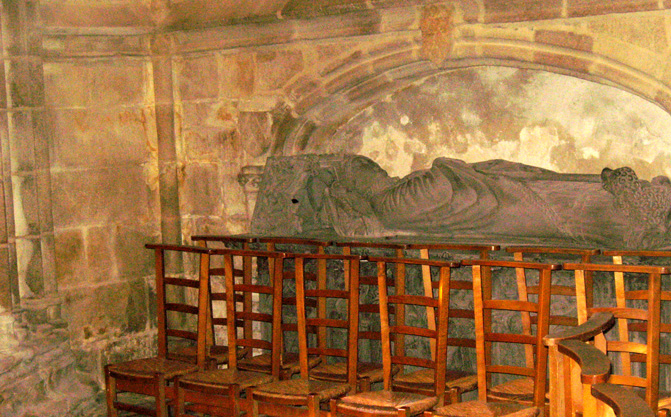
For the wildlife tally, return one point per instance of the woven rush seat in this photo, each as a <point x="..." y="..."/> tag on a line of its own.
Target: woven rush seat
<point x="517" y="390"/>
<point x="461" y="380"/>
<point x="482" y="409"/>
<point x="298" y="390"/>
<point x="385" y="399"/>
<point x="149" y="367"/>
<point x="290" y="364"/>
<point x="217" y="378"/>
<point x="338" y="371"/>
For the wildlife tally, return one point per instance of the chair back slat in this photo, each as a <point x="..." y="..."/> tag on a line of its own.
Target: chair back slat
<point x="182" y="299"/>
<point x="397" y="327"/>
<point x="337" y="337"/>
<point x="507" y="273"/>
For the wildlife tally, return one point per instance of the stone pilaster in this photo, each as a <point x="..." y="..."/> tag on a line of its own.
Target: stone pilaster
<point x="26" y="170"/>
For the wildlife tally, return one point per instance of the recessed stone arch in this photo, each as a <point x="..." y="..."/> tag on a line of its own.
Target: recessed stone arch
<point x="324" y="101"/>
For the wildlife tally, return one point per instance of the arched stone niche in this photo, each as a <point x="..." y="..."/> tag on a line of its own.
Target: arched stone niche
<point x="535" y="117"/>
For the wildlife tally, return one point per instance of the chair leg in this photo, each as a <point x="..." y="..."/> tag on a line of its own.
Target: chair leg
<point x="364" y="385"/>
<point x="454" y="395"/>
<point x="234" y="395"/>
<point x="161" y="407"/>
<point x="333" y="404"/>
<point x="313" y="406"/>
<point x="179" y="405"/>
<point x="254" y="403"/>
<point x="110" y="393"/>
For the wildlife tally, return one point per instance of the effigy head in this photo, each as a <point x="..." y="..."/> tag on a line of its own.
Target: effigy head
<point x="646" y="205"/>
<point x="620" y="181"/>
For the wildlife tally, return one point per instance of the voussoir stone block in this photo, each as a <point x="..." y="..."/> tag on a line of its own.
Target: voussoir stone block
<point x="576" y="8"/>
<point x="565" y="39"/>
<point x="521" y="10"/>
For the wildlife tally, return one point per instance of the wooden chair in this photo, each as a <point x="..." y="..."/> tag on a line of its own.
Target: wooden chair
<point x="562" y="306"/>
<point x="369" y="371"/>
<point x="335" y="338"/>
<point x="398" y="401"/>
<point x="489" y="311"/>
<point x="637" y="308"/>
<point x="289" y="361"/>
<point x="179" y="322"/>
<point x="579" y="373"/>
<point x="458" y="381"/>
<point x="660" y="258"/>
<point x="218" y="354"/>
<point x="222" y="392"/>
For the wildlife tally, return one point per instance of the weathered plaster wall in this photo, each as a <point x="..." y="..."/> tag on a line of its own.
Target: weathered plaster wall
<point x="115" y="132"/>
<point x="539" y="118"/>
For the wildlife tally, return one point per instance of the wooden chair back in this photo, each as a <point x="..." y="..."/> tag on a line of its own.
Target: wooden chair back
<point x="398" y="327"/>
<point x="429" y="251"/>
<point x="181" y="302"/>
<point x="557" y="290"/>
<point x="637" y="310"/>
<point x="369" y="306"/>
<point x="240" y="242"/>
<point x="335" y="315"/>
<point x="486" y="306"/>
<point x="647" y="257"/>
<point x="240" y="314"/>
<point x="182" y="319"/>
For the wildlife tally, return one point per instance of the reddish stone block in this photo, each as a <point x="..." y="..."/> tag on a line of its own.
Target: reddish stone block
<point x="577" y="8"/>
<point x="565" y="39"/>
<point x="521" y="10"/>
<point x="562" y="61"/>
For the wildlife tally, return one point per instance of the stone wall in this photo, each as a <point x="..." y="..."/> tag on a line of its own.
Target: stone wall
<point x="123" y="124"/>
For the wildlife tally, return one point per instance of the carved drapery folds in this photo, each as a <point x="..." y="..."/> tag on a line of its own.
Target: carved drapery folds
<point x="500" y="201"/>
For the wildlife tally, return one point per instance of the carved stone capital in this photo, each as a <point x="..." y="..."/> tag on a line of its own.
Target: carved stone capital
<point x="250" y="177"/>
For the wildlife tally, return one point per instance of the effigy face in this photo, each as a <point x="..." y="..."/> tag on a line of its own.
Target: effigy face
<point x="495" y="201"/>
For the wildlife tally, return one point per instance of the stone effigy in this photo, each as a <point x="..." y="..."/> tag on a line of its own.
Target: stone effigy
<point x="497" y="201"/>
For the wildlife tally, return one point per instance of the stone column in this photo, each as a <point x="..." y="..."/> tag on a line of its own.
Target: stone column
<point x="171" y="229"/>
<point x="26" y="169"/>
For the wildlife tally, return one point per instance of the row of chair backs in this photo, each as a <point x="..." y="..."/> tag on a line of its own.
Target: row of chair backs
<point x="314" y="323"/>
